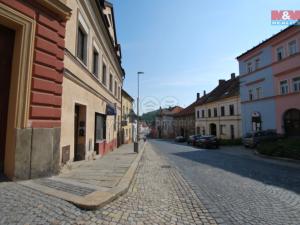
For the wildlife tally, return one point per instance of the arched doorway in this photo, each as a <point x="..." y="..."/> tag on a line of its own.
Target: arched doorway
<point x="291" y="120"/>
<point x="213" y="129"/>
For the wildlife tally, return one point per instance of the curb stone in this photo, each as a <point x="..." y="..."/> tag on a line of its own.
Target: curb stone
<point x="96" y="199"/>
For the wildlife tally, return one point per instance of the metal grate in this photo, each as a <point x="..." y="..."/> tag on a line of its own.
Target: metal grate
<point x="65" y="187"/>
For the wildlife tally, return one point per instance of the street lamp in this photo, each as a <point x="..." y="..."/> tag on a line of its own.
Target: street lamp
<point x="136" y="144"/>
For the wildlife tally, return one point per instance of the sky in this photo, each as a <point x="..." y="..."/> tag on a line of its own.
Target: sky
<point x="185" y="47"/>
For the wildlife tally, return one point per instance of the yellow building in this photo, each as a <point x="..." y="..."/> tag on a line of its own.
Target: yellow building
<point x="92" y="83"/>
<point x="219" y="112"/>
<point x="127" y="123"/>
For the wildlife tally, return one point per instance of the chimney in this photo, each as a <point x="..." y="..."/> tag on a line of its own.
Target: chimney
<point x="232" y="75"/>
<point x="198" y="96"/>
<point x="204" y="93"/>
<point x="221" y="81"/>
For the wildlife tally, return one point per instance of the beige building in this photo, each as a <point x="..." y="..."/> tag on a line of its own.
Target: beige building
<point x="127" y="114"/>
<point x="219" y="112"/>
<point x="92" y="83"/>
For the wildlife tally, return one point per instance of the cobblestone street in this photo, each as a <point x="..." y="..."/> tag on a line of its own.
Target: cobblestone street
<point x="158" y="195"/>
<point x="236" y="186"/>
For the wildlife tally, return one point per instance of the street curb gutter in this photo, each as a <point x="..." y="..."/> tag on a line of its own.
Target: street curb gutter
<point x="276" y="158"/>
<point x="98" y="198"/>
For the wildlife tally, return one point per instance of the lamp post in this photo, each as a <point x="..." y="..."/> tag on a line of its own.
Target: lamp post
<point x="136" y="144"/>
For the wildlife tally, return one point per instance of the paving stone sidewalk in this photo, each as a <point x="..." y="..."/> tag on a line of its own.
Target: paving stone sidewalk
<point x="92" y="184"/>
<point x="157" y="195"/>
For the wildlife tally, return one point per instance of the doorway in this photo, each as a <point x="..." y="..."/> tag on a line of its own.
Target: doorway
<point x="7" y="38"/>
<point x="213" y="129"/>
<point x="292" y="122"/>
<point x="79" y="132"/>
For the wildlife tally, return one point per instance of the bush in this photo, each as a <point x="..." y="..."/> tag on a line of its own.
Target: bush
<point x="285" y="148"/>
<point x="230" y="142"/>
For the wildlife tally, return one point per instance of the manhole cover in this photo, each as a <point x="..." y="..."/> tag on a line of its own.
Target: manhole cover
<point x="65" y="187"/>
<point x="166" y="166"/>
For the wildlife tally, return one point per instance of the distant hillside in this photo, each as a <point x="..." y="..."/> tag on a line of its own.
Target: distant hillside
<point x="149" y="117"/>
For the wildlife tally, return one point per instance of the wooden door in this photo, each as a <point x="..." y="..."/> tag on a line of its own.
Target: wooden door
<point x="7" y="37"/>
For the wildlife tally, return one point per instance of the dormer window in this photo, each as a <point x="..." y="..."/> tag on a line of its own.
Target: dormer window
<point x="280" y="53"/>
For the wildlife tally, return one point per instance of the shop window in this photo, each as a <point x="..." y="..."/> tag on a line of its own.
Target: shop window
<point x="100" y="127"/>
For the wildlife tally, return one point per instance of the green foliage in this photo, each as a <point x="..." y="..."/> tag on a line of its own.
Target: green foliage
<point x="285" y="148"/>
<point x="149" y="117"/>
<point x="231" y="142"/>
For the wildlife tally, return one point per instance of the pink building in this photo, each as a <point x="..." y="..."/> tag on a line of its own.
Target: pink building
<point x="286" y="72"/>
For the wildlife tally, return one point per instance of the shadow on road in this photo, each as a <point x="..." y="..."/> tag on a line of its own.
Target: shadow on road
<point x="265" y="172"/>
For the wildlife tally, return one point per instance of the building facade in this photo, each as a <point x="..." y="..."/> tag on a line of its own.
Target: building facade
<point x="184" y="121"/>
<point x="218" y="113"/>
<point x="269" y="75"/>
<point x="164" y="122"/>
<point x="127" y="118"/>
<point x="32" y="40"/>
<point x="92" y="83"/>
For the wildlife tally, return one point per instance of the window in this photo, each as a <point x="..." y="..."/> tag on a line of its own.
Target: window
<point x="100" y="127"/>
<point x="95" y="63"/>
<point x="257" y="62"/>
<point x="203" y="113"/>
<point x="284" y="87"/>
<point x="119" y="92"/>
<point x="222" y="129"/>
<point x="280" y="53"/>
<point x="292" y="47"/>
<point x="198" y="114"/>
<point x="296" y="84"/>
<point x="249" y="67"/>
<point x="222" y="111"/>
<point x="116" y="88"/>
<point x="215" y="112"/>
<point x="250" y="95"/>
<point x="258" y="92"/>
<point x="82" y="45"/>
<point x="104" y="74"/>
<point x="110" y="82"/>
<point x="231" y="110"/>
<point x="209" y="113"/>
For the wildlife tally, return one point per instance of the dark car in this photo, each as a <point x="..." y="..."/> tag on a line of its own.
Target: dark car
<point x="192" y="139"/>
<point x="253" y="139"/>
<point x="180" y="139"/>
<point x="208" y="141"/>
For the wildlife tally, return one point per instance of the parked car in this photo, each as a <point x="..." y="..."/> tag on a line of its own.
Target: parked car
<point x="192" y="139"/>
<point x="251" y="140"/>
<point x="180" y="139"/>
<point x="207" y="141"/>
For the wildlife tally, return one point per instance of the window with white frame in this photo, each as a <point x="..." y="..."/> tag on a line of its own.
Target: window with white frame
<point x="258" y="92"/>
<point x="284" y="87"/>
<point x="249" y="67"/>
<point x="198" y="114"/>
<point x="296" y="84"/>
<point x="292" y="47"/>
<point x="82" y="39"/>
<point x="280" y="53"/>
